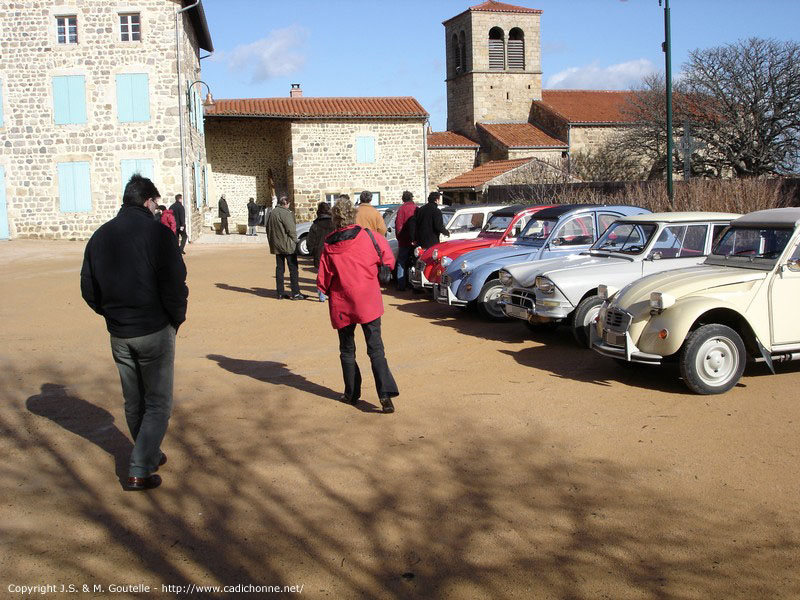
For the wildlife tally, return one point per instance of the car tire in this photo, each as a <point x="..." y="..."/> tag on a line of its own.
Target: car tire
<point x="583" y="317"/>
<point x="712" y="359"/>
<point x="487" y="301"/>
<point x="302" y="245"/>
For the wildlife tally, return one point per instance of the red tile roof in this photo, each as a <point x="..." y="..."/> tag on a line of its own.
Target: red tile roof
<point x="588" y="106"/>
<point x="521" y="135"/>
<point x="492" y="6"/>
<point x="450" y="139"/>
<point x="310" y="108"/>
<point x="478" y="176"/>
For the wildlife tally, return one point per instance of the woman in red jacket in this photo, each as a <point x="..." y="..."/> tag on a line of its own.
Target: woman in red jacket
<point x="348" y="275"/>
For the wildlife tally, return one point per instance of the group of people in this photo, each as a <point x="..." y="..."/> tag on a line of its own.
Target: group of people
<point x="174" y="217"/>
<point x="143" y="297"/>
<point x="253" y="215"/>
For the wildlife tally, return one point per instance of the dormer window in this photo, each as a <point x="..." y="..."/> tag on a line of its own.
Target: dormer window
<point x="497" y="50"/>
<point x="130" y="27"/>
<point x="67" y="29"/>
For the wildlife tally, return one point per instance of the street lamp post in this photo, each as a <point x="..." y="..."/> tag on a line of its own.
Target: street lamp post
<point x="667" y="48"/>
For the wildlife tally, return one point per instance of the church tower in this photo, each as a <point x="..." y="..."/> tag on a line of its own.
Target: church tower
<point x="494" y="67"/>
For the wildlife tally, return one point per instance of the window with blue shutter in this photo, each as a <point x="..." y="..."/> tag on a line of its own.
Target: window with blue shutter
<point x="365" y="149"/>
<point x="133" y="98"/>
<point x="143" y="166"/>
<point x="74" y="191"/>
<point x="200" y="117"/>
<point x="205" y="185"/>
<point x="69" y="99"/>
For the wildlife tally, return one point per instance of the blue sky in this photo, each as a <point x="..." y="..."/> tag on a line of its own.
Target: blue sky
<point x="396" y="47"/>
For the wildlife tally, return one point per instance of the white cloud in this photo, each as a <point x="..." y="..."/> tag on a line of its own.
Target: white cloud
<point x="622" y="76"/>
<point x="280" y="53"/>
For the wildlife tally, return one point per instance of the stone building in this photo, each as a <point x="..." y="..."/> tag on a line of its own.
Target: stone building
<point x="312" y="149"/>
<point x="90" y="93"/>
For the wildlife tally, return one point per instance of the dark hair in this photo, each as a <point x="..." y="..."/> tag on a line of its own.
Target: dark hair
<point x="323" y="208"/>
<point x="283" y="201"/>
<point x="365" y="197"/>
<point x="138" y="190"/>
<point x="433" y="196"/>
<point x="407" y="196"/>
<point x="178" y="197"/>
<point x="252" y="200"/>
<point x="161" y="207"/>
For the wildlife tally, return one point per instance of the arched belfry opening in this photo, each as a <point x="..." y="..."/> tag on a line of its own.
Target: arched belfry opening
<point x="516" y="49"/>
<point x="497" y="49"/>
<point x="455" y="55"/>
<point x="462" y="44"/>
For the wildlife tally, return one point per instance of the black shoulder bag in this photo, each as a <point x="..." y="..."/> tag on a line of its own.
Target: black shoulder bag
<point x="384" y="272"/>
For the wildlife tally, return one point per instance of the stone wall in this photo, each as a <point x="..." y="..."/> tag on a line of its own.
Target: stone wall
<point x="551" y="124"/>
<point x="592" y="137"/>
<point x="33" y="144"/>
<point x="324" y="161"/>
<point x="446" y="163"/>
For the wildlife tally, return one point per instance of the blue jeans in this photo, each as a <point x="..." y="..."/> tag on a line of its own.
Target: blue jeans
<point x="403" y="255"/>
<point x="146" y="367"/>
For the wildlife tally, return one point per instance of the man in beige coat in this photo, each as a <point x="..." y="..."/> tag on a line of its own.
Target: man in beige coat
<point x="367" y="216"/>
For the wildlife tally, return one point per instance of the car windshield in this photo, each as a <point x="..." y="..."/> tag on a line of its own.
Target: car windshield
<point x="498" y="224"/>
<point x="629" y="238"/>
<point x="753" y="243"/>
<point x="466" y="221"/>
<point x="537" y="231"/>
<point x="388" y="216"/>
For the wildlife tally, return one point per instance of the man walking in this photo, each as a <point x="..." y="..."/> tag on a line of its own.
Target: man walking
<point x="405" y="225"/>
<point x="134" y="276"/>
<point x="282" y="238"/>
<point x="429" y="222"/>
<point x="224" y="213"/>
<point x="368" y="217"/>
<point x="180" y="220"/>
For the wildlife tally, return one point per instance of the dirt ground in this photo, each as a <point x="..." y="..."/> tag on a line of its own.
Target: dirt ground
<point x="516" y="465"/>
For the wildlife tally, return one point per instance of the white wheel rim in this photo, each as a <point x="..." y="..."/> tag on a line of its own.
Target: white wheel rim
<point x="717" y="361"/>
<point x="490" y="302"/>
<point x="591" y="316"/>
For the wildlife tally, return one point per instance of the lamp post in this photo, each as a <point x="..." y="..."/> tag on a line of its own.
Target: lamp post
<point x="667" y="48"/>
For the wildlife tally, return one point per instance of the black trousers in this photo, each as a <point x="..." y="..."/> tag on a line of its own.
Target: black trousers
<point x="280" y="269"/>
<point x="224" y="225"/>
<point x="384" y="381"/>
<point x="182" y="234"/>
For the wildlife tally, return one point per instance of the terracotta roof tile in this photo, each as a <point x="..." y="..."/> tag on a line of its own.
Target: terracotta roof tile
<point x="588" y="106"/>
<point x="478" y="176"/>
<point x="492" y="6"/>
<point x="521" y="135"/>
<point x="310" y="108"/>
<point x="450" y="139"/>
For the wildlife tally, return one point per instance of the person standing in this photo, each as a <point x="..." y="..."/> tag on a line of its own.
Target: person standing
<point x="180" y="220"/>
<point x="224" y="213"/>
<point x="167" y="218"/>
<point x="133" y="275"/>
<point x="368" y="216"/>
<point x="404" y="225"/>
<point x="429" y="222"/>
<point x="252" y="216"/>
<point x="320" y="228"/>
<point x="282" y="238"/>
<point x="348" y="274"/>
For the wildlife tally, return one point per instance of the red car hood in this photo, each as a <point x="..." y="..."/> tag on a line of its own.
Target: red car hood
<point x="433" y="271"/>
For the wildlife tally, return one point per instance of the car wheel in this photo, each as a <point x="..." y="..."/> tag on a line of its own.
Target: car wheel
<point x="302" y="246"/>
<point x="487" y="301"/>
<point x="584" y="317"/>
<point x="712" y="359"/>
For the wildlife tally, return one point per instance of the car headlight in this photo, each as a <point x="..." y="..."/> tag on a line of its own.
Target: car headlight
<point x="606" y="292"/>
<point x="436" y="254"/>
<point x="465" y="267"/>
<point x="543" y="284"/>
<point x="505" y="278"/>
<point x="446" y="261"/>
<point x="417" y="251"/>
<point x="660" y="302"/>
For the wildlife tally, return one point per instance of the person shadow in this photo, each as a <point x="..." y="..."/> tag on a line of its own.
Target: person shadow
<point x="277" y="373"/>
<point x="83" y="418"/>
<point x="256" y="291"/>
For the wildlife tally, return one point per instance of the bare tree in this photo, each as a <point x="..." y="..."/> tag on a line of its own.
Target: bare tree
<point x="609" y="162"/>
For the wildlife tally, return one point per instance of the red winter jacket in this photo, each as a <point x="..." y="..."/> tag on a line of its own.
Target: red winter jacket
<point x="168" y="219"/>
<point x="348" y="275"/>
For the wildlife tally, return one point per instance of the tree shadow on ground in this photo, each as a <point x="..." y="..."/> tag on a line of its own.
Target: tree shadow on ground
<point x="475" y="513"/>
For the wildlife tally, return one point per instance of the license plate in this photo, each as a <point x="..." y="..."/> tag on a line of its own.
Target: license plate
<point x="614" y="339"/>
<point x="516" y="311"/>
<point x="441" y="291"/>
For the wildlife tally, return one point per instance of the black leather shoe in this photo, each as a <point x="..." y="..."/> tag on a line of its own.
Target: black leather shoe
<point x="298" y="297"/>
<point x="162" y="462"/>
<point x="346" y="400"/>
<point x="386" y="404"/>
<point x="136" y="484"/>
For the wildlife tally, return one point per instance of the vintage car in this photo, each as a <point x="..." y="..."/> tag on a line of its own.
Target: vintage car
<point x="738" y="305"/>
<point x="565" y="289"/>
<point x="501" y="229"/>
<point x="552" y="232"/>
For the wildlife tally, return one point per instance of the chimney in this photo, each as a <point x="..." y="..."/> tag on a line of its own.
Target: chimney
<point x="295" y="92"/>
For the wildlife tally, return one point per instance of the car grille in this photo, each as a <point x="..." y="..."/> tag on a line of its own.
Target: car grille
<point x="446" y="280"/>
<point x="420" y="265"/>
<point x="617" y="320"/>
<point x="522" y="298"/>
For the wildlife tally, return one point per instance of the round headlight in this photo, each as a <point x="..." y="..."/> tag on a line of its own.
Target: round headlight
<point x="446" y="261"/>
<point x="435" y="254"/>
<point x="417" y="251"/>
<point x="465" y="267"/>
<point x="505" y="278"/>
<point x="543" y="284"/>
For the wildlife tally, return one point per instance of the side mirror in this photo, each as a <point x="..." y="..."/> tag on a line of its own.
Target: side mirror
<point x="793" y="265"/>
<point x="655" y="255"/>
<point x="556" y="242"/>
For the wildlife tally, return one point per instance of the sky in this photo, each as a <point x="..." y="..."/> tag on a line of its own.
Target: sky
<point x="397" y="47"/>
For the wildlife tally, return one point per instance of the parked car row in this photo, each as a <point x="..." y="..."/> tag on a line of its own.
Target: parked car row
<point x="709" y="291"/>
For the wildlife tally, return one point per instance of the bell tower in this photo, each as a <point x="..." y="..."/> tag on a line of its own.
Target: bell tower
<point x="494" y="67"/>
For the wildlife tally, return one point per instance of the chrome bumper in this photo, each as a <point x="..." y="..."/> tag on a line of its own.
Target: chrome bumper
<point x="443" y="295"/>
<point x="628" y="351"/>
<point x="418" y="279"/>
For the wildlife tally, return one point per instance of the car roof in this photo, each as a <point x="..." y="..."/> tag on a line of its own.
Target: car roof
<point x="512" y="209"/>
<point x="680" y="217"/>
<point x="772" y="217"/>
<point x="455" y="207"/>
<point x="556" y="211"/>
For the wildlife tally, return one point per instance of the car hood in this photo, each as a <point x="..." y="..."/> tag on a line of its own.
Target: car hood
<point x="684" y="282"/>
<point x="525" y="273"/>
<point x="502" y="254"/>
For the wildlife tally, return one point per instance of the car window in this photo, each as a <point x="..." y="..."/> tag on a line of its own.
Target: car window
<point x="498" y="223"/>
<point x="537" y="230"/>
<point x="626" y="237"/>
<point x="519" y="226"/>
<point x="476" y="223"/>
<point x="576" y="231"/>
<point x="796" y="254"/>
<point x="461" y="223"/>
<point x="694" y="242"/>
<point x="604" y="221"/>
<point x="753" y="242"/>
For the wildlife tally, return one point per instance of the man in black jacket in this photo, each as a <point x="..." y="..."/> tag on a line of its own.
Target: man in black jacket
<point x="224" y="213"/>
<point x="180" y="220"/>
<point x="134" y="276"/>
<point x="429" y="222"/>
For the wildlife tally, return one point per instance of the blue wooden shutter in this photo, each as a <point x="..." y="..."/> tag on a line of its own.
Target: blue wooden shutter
<point x="74" y="190"/>
<point x="143" y="166"/>
<point x="198" y="183"/>
<point x="200" y="116"/>
<point x="205" y="185"/>
<point x="365" y="149"/>
<point x="133" y="98"/>
<point x="3" y="206"/>
<point x="69" y="99"/>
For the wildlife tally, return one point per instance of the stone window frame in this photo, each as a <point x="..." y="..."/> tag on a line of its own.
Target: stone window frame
<point x="121" y="14"/>
<point x="70" y="10"/>
<point x="67" y="25"/>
